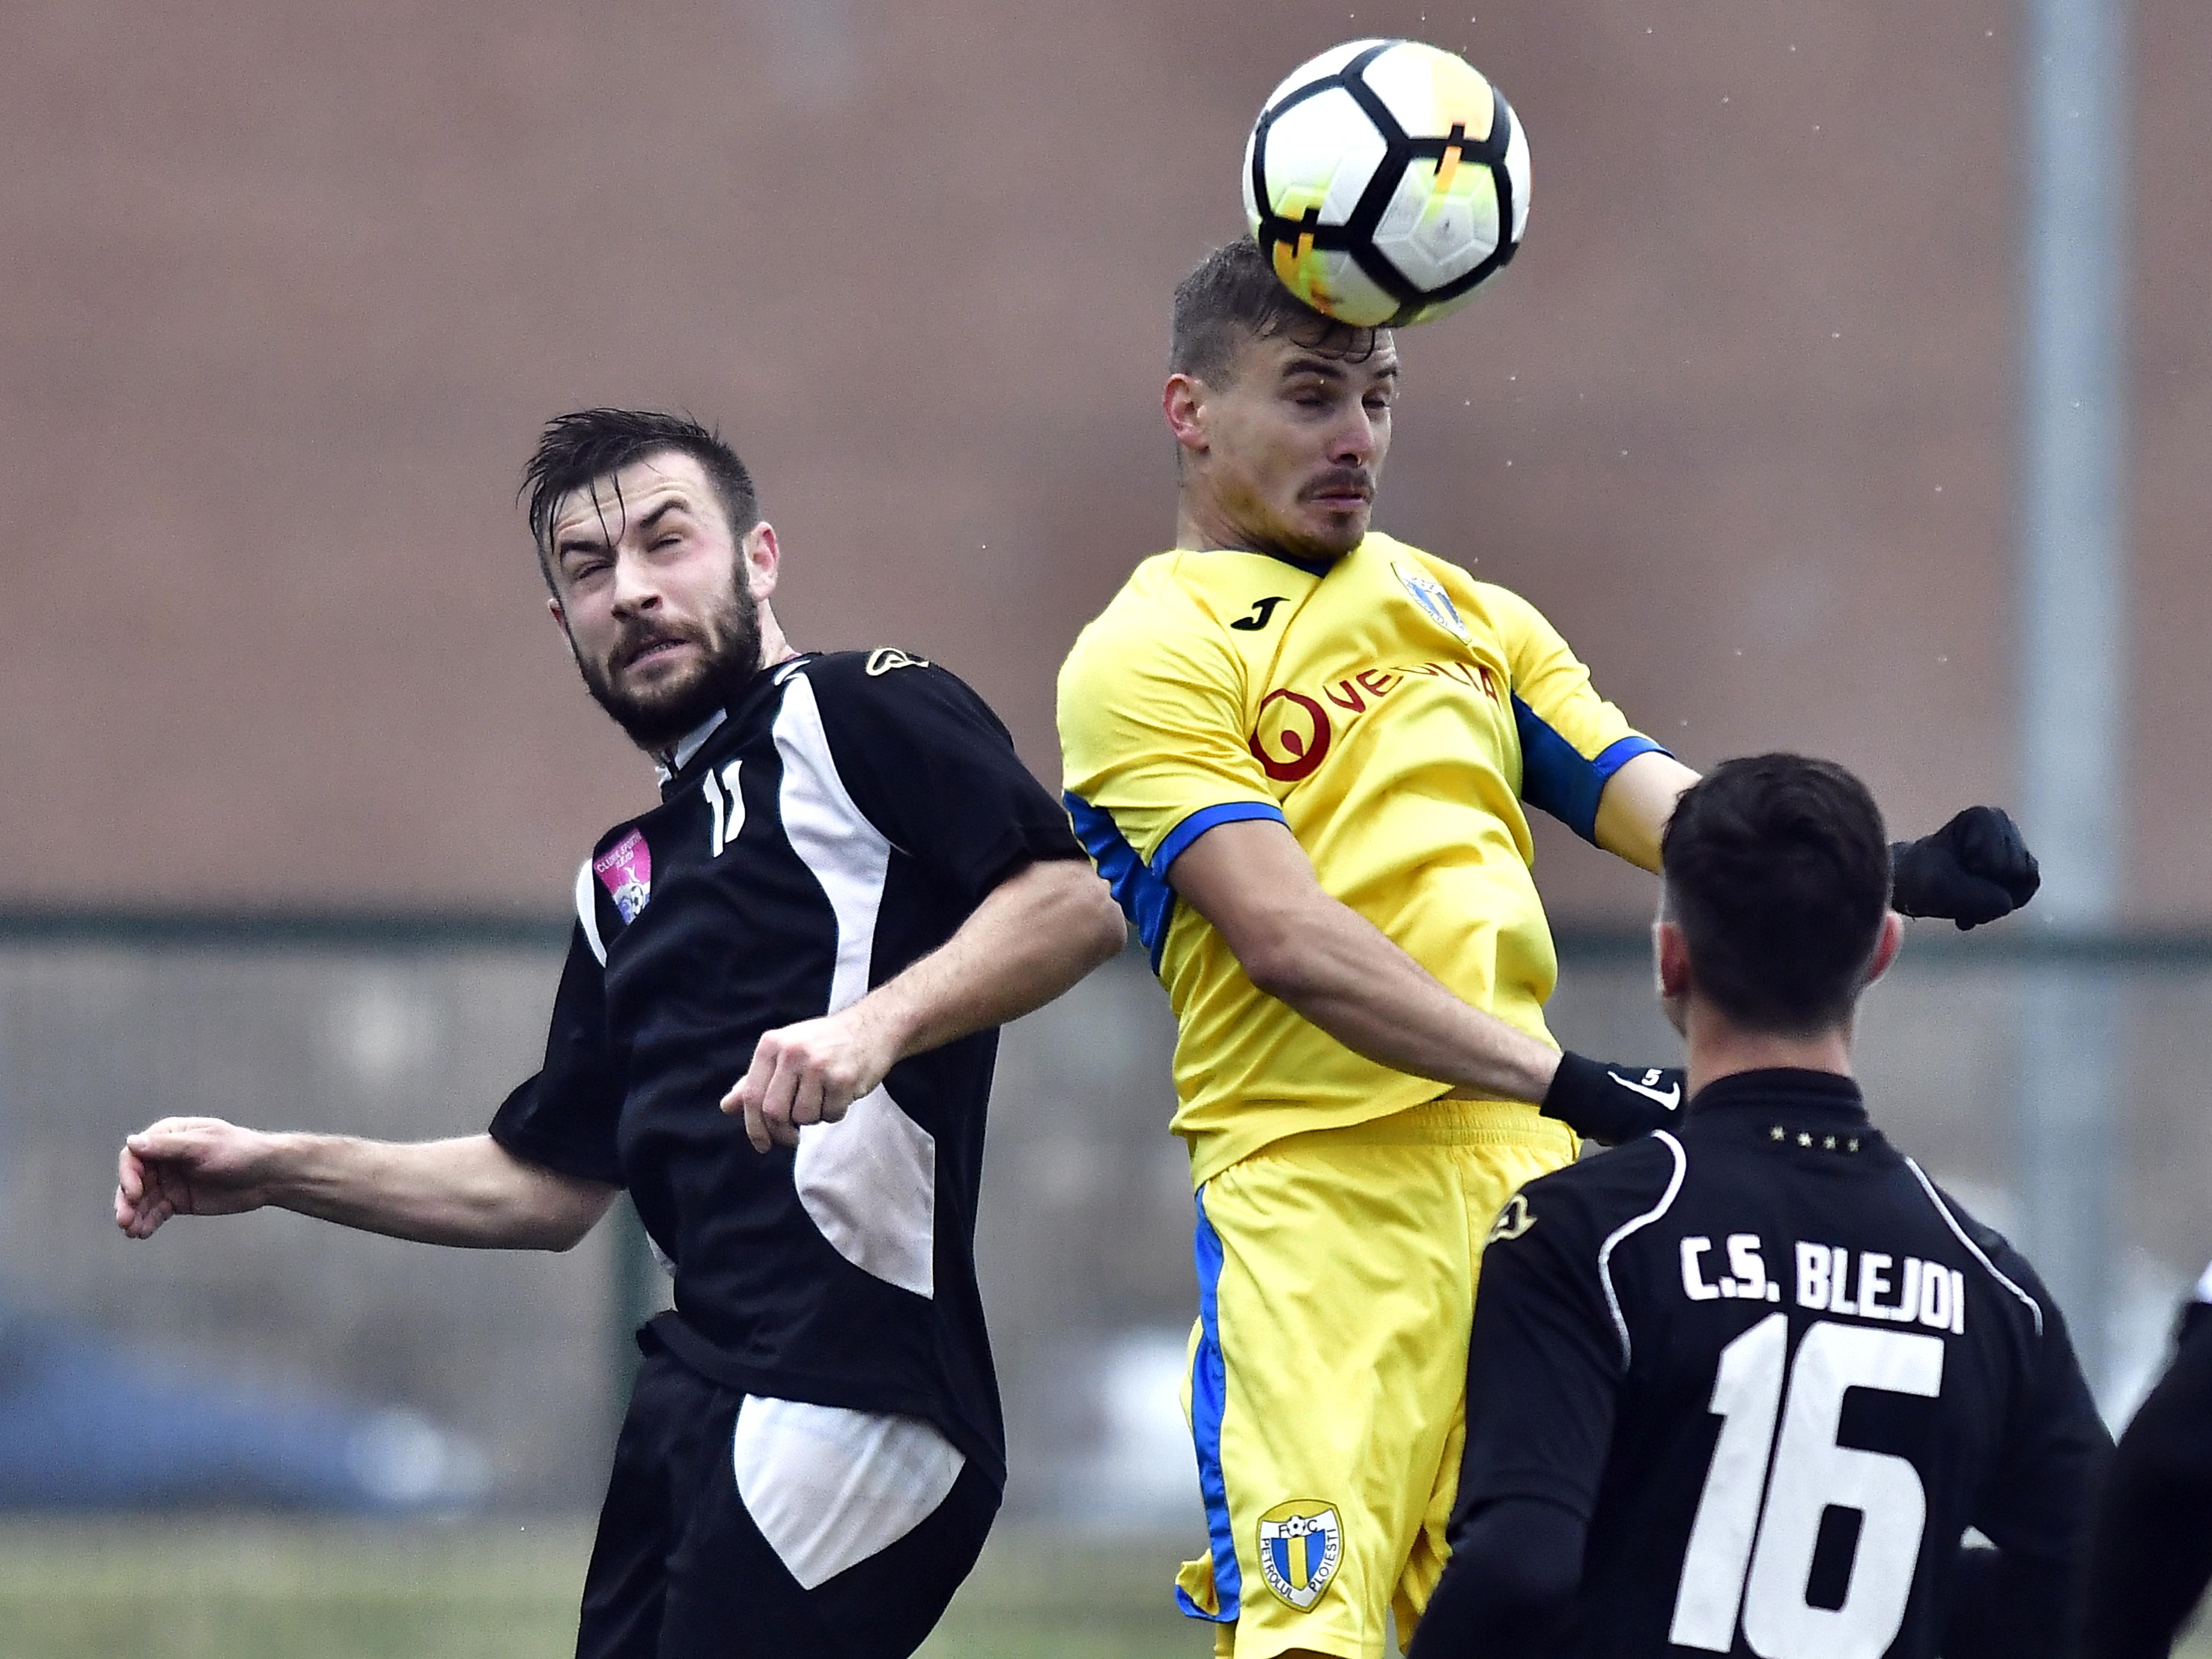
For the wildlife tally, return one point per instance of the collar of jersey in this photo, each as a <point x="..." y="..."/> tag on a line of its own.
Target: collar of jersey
<point x="1314" y="568"/>
<point x="1784" y="1089"/>
<point x="669" y="767"/>
<point x="665" y="767"/>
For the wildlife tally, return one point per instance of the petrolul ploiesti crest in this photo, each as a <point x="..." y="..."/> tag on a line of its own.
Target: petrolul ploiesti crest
<point x="1429" y="593"/>
<point x="1301" y="1546"/>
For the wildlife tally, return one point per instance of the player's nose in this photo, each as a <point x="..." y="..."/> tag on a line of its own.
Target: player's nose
<point x="636" y="589"/>
<point x="1356" y="441"/>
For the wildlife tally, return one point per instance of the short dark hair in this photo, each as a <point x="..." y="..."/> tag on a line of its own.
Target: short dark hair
<point x="1233" y="296"/>
<point x="577" y="448"/>
<point x="1777" y="873"/>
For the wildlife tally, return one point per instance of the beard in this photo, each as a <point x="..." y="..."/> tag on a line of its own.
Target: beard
<point x="657" y="719"/>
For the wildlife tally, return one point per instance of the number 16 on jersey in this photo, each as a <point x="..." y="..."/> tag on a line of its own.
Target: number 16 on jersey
<point x="1759" y="1516"/>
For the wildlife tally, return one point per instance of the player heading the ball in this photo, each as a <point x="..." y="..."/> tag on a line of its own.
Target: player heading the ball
<point x="1305" y="754"/>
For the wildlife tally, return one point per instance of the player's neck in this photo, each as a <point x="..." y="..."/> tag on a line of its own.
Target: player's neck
<point x="1719" y="1048"/>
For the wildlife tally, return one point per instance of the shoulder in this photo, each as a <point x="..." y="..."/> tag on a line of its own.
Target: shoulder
<point x="2013" y="1276"/>
<point x="887" y="689"/>
<point x="882" y="676"/>
<point x="1171" y="618"/>
<point x="1606" y="1197"/>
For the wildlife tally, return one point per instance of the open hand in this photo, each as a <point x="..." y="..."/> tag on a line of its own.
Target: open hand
<point x="808" y="1073"/>
<point x="187" y="1166"/>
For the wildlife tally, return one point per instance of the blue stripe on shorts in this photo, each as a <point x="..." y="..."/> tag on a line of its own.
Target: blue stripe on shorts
<point x="1209" y="1394"/>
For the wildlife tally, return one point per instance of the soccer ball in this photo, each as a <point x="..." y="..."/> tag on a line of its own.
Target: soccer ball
<point x="1387" y="180"/>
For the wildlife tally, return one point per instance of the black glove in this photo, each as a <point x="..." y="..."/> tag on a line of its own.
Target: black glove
<point x="1974" y="869"/>
<point x="1613" y="1104"/>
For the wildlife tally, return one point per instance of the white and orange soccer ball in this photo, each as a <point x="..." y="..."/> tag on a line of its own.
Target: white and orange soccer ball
<point x="1387" y="180"/>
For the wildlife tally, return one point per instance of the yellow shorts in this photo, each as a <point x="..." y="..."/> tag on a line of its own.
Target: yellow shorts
<point x="1327" y="1383"/>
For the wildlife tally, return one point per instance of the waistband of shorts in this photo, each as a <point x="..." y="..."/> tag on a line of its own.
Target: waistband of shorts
<point x="1451" y="1120"/>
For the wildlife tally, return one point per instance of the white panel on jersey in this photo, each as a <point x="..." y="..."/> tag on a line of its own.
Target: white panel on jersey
<point x="587" y="910"/>
<point x="847" y="854"/>
<point x="869" y="1182"/>
<point x="829" y="1488"/>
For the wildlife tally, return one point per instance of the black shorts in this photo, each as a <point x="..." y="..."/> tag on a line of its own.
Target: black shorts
<point x="682" y="1571"/>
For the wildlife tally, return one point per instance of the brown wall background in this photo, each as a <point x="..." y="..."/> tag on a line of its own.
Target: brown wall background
<point x="288" y="289"/>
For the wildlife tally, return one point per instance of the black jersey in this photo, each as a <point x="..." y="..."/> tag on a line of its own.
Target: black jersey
<point x="2150" y="1555"/>
<point x="844" y="818"/>
<point x="1779" y="1373"/>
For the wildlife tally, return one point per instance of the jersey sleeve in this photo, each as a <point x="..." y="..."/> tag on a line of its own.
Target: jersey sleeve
<point x="564" y="1118"/>
<point x="1544" y="1365"/>
<point x="1572" y="740"/>
<point x="1153" y="739"/>
<point x="930" y="765"/>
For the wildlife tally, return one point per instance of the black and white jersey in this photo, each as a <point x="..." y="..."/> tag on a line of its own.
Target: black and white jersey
<point x="843" y="818"/>
<point x="1779" y="1373"/>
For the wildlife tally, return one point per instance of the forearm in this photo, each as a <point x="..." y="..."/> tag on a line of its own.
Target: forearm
<point x="1030" y="940"/>
<point x="1337" y="969"/>
<point x="470" y="1191"/>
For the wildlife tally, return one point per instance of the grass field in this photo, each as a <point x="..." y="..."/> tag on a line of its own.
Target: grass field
<point x="193" y="1588"/>
<point x="227" y="1590"/>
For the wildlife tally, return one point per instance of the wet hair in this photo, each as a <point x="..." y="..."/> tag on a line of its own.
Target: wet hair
<point x="1777" y="871"/>
<point x="1232" y="296"/>
<point x="577" y="449"/>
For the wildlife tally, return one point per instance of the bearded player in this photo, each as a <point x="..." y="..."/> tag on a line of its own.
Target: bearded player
<point x="1301" y="753"/>
<point x="849" y="883"/>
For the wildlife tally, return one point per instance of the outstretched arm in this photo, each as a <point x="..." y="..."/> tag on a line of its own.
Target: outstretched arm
<point x="1033" y="936"/>
<point x="1975" y="869"/>
<point x="470" y="1191"/>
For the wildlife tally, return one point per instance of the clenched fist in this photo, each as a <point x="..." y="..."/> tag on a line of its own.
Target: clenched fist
<point x="808" y="1073"/>
<point x="188" y="1166"/>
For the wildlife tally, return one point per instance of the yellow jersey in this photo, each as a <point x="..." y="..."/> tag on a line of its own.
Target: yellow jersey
<point x="1396" y="715"/>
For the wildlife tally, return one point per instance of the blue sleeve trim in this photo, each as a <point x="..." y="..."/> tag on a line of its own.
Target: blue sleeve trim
<point x="1560" y="778"/>
<point x="1209" y="1400"/>
<point x="1207" y="817"/>
<point x="1145" y="898"/>
<point x="1614" y="756"/>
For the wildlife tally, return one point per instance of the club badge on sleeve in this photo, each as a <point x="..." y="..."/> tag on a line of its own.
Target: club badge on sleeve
<point x="1301" y="1546"/>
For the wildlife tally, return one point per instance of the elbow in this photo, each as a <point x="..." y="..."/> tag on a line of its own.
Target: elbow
<point x="1276" y="963"/>
<point x="559" y="1226"/>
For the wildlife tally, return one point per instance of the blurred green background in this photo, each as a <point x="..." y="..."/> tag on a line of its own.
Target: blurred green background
<point x="195" y="1589"/>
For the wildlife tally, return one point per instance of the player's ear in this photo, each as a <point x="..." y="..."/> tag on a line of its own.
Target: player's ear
<point x="1886" y="945"/>
<point x="763" y="559"/>
<point x="1670" y="960"/>
<point x="561" y="621"/>
<point x="1183" y="402"/>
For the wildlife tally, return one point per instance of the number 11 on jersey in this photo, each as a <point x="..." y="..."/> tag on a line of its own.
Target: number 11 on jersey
<point x="1753" y="1558"/>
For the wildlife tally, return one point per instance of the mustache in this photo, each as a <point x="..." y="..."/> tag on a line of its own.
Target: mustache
<point x="637" y="638"/>
<point x="1340" y="481"/>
